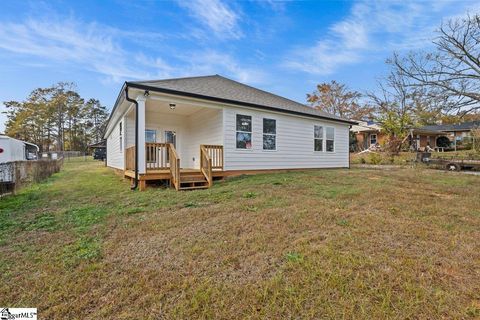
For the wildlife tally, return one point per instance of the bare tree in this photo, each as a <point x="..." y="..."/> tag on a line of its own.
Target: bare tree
<point x="452" y="70"/>
<point x="394" y="104"/>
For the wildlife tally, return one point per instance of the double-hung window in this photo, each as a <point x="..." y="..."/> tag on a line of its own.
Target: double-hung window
<point x="373" y="139"/>
<point x="244" y="132"/>
<point x="269" y="134"/>
<point x="330" y="139"/>
<point x="150" y="136"/>
<point x="318" y="138"/>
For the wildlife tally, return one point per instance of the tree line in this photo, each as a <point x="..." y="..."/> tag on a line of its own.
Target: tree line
<point x="56" y="118"/>
<point x="422" y="87"/>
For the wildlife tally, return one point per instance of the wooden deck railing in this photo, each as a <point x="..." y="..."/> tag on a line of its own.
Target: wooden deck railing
<point x="215" y="152"/>
<point x="130" y="158"/>
<point x="206" y="165"/>
<point x="156" y="156"/>
<point x="164" y="156"/>
<point x="174" y="161"/>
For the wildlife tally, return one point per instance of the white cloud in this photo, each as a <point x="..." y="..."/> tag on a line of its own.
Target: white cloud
<point x="87" y="45"/>
<point x="104" y="50"/>
<point x="216" y="16"/>
<point x="373" y="29"/>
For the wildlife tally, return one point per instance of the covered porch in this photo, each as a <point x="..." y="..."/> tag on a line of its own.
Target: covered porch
<point x="423" y="140"/>
<point x="181" y="143"/>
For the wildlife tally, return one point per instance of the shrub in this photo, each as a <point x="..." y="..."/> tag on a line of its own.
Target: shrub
<point x="375" y="158"/>
<point x="476" y="139"/>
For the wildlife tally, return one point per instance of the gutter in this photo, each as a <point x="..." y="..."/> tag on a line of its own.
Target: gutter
<point x="135" y="181"/>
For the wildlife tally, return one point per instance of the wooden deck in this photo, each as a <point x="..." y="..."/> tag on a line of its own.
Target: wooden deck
<point x="164" y="174"/>
<point x="188" y="178"/>
<point x="163" y="163"/>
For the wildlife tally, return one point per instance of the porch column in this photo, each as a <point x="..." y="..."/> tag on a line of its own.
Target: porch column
<point x="141" y="134"/>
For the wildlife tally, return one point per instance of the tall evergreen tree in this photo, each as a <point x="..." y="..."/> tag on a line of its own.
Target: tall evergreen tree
<point x="56" y="118"/>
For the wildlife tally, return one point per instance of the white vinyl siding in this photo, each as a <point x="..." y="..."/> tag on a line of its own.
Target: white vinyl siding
<point x="115" y="157"/>
<point x="294" y="143"/>
<point x="204" y="127"/>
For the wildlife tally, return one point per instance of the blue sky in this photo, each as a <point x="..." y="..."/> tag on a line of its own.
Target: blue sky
<point x="283" y="47"/>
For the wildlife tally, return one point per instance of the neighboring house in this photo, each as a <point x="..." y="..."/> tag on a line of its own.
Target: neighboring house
<point x="368" y="134"/>
<point x="192" y="130"/>
<point x="457" y="133"/>
<point x="16" y="150"/>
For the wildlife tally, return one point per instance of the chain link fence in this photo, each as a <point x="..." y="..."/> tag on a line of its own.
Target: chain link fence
<point x="66" y="155"/>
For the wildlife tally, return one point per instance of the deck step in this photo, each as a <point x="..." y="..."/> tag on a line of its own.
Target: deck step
<point x="193" y="188"/>
<point x="193" y="181"/>
<point x="192" y="178"/>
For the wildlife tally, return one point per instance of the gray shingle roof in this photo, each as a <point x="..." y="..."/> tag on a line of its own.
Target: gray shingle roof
<point x="219" y="87"/>
<point x="465" y="126"/>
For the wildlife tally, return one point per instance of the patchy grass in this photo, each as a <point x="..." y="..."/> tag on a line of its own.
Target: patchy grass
<point x="321" y="244"/>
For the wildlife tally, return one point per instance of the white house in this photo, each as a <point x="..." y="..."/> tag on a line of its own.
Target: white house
<point x="192" y="130"/>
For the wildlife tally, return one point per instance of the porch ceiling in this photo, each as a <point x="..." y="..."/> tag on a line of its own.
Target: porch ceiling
<point x="164" y="107"/>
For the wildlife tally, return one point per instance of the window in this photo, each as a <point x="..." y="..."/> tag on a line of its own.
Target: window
<point x="244" y="132"/>
<point x="330" y="139"/>
<point x="269" y="134"/>
<point x="373" y="139"/>
<point x="120" y="137"/>
<point x="318" y="138"/>
<point x="150" y="136"/>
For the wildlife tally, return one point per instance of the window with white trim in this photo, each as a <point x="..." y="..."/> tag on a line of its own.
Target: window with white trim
<point x="269" y="134"/>
<point x="373" y="139"/>
<point x="120" y="136"/>
<point x="330" y="139"/>
<point x="244" y="132"/>
<point x="150" y="136"/>
<point x="318" y="138"/>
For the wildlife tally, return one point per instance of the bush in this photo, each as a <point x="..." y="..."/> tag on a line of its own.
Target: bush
<point x="375" y="158"/>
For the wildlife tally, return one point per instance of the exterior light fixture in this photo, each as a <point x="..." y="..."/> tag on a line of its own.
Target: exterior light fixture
<point x="172" y="106"/>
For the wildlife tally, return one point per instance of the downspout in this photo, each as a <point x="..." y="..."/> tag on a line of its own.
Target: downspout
<point x="135" y="180"/>
<point x="349" y="128"/>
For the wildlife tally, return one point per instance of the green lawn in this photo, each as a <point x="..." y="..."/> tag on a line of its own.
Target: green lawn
<point x="354" y="243"/>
